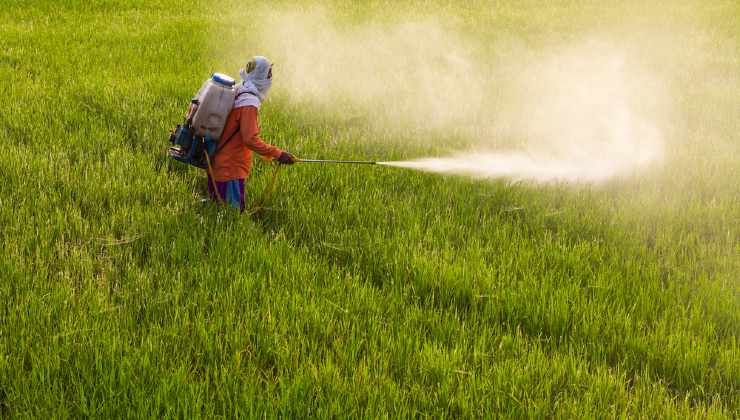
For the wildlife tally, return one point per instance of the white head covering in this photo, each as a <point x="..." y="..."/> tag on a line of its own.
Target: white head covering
<point x="255" y="83"/>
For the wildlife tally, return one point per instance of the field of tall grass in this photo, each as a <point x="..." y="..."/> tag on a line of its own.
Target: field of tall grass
<point x="356" y="291"/>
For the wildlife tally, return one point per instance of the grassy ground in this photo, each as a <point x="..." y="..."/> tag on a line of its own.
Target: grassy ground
<point x="362" y="291"/>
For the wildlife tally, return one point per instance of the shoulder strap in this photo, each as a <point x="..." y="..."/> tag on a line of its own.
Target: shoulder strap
<point x="223" y="143"/>
<point x="243" y="93"/>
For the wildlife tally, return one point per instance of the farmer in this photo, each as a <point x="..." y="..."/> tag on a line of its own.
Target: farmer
<point x="233" y="163"/>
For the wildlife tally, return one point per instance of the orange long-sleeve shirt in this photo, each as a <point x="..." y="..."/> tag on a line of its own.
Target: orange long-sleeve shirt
<point x="234" y="159"/>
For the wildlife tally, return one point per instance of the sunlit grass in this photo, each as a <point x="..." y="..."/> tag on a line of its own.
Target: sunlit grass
<point x="359" y="291"/>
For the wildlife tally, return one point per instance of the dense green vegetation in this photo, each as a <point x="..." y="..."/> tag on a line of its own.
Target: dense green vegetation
<point x="360" y="291"/>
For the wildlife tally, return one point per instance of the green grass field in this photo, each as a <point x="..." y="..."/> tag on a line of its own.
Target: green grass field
<point x="360" y="291"/>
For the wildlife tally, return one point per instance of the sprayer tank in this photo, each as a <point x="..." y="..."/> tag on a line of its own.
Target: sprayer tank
<point x="214" y="102"/>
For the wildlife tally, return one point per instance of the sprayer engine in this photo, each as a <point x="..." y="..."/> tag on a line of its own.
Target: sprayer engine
<point x="187" y="147"/>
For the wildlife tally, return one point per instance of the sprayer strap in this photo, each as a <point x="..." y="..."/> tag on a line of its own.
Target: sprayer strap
<point x="244" y="93"/>
<point x="221" y="146"/>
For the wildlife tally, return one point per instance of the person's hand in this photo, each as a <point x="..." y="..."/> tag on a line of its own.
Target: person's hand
<point x="286" y="158"/>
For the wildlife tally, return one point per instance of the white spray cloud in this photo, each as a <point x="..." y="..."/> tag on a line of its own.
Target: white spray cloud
<point x="518" y="166"/>
<point x="584" y="112"/>
<point x="411" y="73"/>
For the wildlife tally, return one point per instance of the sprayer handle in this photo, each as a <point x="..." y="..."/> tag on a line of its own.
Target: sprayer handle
<point x="286" y="158"/>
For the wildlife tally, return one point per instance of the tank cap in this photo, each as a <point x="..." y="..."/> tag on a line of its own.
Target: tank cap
<point x="223" y="79"/>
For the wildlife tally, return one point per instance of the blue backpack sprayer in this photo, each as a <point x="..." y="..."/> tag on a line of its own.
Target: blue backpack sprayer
<point x="195" y="141"/>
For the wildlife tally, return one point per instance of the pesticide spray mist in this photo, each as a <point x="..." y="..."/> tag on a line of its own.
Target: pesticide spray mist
<point x="583" y="114"/>
<point x="579" y="111"/>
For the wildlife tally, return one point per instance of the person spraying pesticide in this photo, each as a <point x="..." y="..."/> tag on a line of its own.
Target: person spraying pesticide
<point x="232" y="164"/>
<point x="221" y="131"/>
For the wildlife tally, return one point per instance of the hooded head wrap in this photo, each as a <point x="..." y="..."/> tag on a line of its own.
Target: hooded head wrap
<point x="256" y="82"/>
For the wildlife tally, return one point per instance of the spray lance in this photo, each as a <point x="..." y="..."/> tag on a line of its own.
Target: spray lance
<point x="356" y="162"/>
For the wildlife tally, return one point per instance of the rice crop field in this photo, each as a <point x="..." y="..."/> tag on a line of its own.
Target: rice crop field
<point x="358" y="291"/>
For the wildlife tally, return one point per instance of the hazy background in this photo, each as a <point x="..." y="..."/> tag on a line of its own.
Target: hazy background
<point x="583" y="106"/>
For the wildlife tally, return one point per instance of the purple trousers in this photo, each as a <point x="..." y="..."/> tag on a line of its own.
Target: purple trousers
<point x="231" y="192"/>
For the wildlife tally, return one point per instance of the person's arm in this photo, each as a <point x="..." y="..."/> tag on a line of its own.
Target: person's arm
<point x="249" y="127"/>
